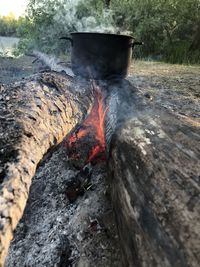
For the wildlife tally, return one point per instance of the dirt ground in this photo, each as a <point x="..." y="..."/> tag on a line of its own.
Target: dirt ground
<point x="14" y="69"/>
<point x="172" y="87"/>
<point x="149" y="75"/>
<point x="169" y="83"/>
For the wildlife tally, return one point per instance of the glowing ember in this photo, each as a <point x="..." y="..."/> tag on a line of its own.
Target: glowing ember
<point x="92" y="126"/>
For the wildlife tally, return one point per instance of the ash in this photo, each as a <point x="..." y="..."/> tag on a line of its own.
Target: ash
<point x="55" y="232"/>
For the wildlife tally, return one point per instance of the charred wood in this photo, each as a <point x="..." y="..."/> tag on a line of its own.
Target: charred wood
<point x="154" y="182"/>
<point x="35" y="115"/>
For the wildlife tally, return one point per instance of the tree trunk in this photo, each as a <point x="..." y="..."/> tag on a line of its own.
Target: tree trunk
<point x="35" y="115"/>
<point x="107" y="2"/>
<point x="196" y="40"/>
<point x="154" y="181"/>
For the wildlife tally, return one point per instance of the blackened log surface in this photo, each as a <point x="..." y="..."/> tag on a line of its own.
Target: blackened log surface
<point x="35" y="115"/>
<point x="154" y="179"/>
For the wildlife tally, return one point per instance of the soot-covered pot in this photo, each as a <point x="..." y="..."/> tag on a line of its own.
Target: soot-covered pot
<point x="101" y="55"/>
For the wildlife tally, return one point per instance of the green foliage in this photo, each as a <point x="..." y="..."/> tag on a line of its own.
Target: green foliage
<point x="8" y="25"/>
<point x="180" y="52"/>
<point x="167" y="27"/>
<point x="48" y="20"/>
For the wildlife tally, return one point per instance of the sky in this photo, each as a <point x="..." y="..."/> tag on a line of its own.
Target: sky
<point x="17" y="7"/>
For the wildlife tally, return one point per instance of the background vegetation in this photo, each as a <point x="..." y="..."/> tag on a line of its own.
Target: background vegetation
<point x="8" y="25"/>
<point x="170" y="29"/>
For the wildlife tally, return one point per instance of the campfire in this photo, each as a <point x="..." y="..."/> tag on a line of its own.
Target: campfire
<point x="86" y="149"/>
<point x="57" y="207"/>
<point x="91" y="133"/>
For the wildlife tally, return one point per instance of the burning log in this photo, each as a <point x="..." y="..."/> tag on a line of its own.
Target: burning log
<point x="87" y="142"/>
<point x="153" y="163"/>
<point x="35" y="115"/>
<point x="154" y="182"/>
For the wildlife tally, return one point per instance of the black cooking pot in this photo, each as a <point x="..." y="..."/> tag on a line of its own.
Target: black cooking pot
<point x="100" y="55"/>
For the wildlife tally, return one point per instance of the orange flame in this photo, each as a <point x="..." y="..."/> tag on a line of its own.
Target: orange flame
<point x="94" y="123"/>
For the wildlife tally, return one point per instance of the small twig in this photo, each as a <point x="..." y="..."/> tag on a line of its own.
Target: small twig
<point x="35" y="60"/>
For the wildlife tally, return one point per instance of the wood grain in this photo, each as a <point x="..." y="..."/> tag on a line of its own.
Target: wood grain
<point x="154" y="181"/>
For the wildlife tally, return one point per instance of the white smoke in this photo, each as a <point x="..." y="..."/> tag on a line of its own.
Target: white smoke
<point x="66" y="18"/>
<point x="113" y="104"/>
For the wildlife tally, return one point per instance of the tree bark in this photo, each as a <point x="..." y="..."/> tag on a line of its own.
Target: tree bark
<point x="35" y="115"/>
<point x="154" y="181"/>
<point x="107" y="2"/>
<point x="195" y="45"/>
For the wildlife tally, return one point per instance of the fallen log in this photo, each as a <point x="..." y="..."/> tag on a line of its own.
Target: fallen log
<point x="35" y="115"/>
<point x="154" y="164"/>
<point x="154" y="168"/>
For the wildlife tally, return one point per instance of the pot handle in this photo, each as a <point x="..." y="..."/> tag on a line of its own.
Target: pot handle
<point x="67" y="38"/>
<point x="137" y="43"/>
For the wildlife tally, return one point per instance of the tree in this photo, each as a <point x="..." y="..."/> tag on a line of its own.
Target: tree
<point x="8" y="25"/>
<point x="167" y="27"/>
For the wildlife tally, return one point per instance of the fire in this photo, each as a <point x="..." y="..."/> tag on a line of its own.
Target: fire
<point x="92" y="126"/>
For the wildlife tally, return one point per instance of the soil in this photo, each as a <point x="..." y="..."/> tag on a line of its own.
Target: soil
<point x="15" y="69"/>
<point x="172" y="87"/>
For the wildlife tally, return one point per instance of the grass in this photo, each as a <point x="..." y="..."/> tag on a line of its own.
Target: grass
<point x="175" y="53"/>
<point x="181" y="53"/>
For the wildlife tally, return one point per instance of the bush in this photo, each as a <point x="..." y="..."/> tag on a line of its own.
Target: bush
<point x="8" y="25"/>
<point x="167" y="27"/>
